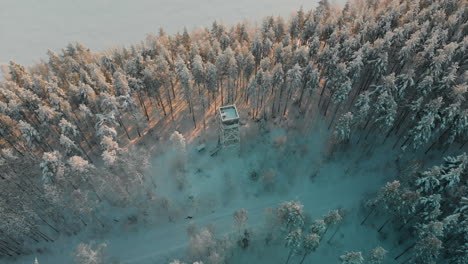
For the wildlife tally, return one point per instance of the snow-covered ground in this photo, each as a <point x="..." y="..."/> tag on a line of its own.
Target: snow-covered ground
<point x="290" y="165"/>
<point x="30" y="27"/>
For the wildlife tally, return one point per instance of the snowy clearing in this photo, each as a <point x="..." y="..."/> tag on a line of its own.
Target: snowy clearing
<point x="222" y="184"/>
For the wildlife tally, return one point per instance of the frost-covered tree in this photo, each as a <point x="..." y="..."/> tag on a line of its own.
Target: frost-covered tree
<point x="129" y="106"/>
<point x="343" y="127"/>
<point x="422" y="131"/>
<point x="352" y="257"/>
<point x="291" y="215"/>
<point x="178" y="141"/>
<point x="153" y="83"/>
<point x="385" y="111"/>
<point x="362" y="108"/>
<point x="176" y="261"/>
<point x="277" y="81"/>
<point x="79" y="164"/>
<point x="310" y="243"/>
<point x="340" y="96"/>
<point x="240" y="218"/>
<point x="67" y="128"/>
<point x="137" y="87"/>
<point x="199" y="77"/>
<point x="377" y="255"/>
<point x="110" y="150"/>
<point x="68" y="144"/>
<point x="256" y="48"/>
<point x="294" y="80"/>
<point x="454" y="171"/>
<point x="90" y="253"/>
<point x="332" y="218"/>
<point x="121" y="85"/>
<point x="201" y="244"/>
<point x="429" y="181"/>
<point x="427" y="250"/>
<point x="211" y="79"/>
<point x="403" y="65"/>
<point x="107" y="134"/>
<point x="52" y="167"/>
<point x="390" y="197"/>
<point x="319" y="227"/>
<point x="30" y="134"/>
<point x="293" y="242"/>
<point x="185" y="77"/>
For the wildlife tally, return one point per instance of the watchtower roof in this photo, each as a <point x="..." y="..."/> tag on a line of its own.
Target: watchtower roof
<point x="228" y="113"/>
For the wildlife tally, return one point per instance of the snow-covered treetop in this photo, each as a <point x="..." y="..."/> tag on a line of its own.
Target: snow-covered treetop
<point x="332" y="218"/>
<point x="377" y="255"/>
<point x="52" y="167"/>
<point x="291" y="215"/>
<point x="343" y="127"/>
<point x="178" y="141"/>
<point x="352" y="257"/>
<point x="68" y="128"/>
<point x="79" y="164"/>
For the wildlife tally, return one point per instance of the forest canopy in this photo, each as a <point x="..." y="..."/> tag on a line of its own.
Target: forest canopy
<point x="375" y="71"/>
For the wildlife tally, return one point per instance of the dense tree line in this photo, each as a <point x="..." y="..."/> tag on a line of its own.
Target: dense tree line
<point x="430" y="208"/>
<point x="394" y="69"/>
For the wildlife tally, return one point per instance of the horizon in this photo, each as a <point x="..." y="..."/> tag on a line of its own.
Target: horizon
<point x="125" y="24"/>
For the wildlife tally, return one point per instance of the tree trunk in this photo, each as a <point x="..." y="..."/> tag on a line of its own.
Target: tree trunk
<point x="328" y="104"/>
<point x="124" y="127"/>
<point x="280" y="96"/>
<point x="334" y="116"/>
<point x="405" y="251"/>
<point x="324" y="87"/>
<point x="286" y="103"/>
<point x="302" y="94"/>
<point x="142" y="103"/>
<point x="334" y="233"/>
<point x="158" y="98"/>
<point x="384" y="224"/>
<point x="464" y="143"/>
<point x="172" y="87"/>
<point x="222" y="91"/>
<point x="86" y="154"/>
<point x="324" y="233"/>
<point x="170" y="104"/>
<point x="204" y="114"/>
<point x="193" y="115"/>
<point x="289" y="256"/>
<point x="11" y="144"/>
<point x="303" y="258"/>
<point x="367" y="216"/>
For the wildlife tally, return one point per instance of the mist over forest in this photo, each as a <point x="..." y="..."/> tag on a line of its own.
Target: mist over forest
<point x="345" y="142"/>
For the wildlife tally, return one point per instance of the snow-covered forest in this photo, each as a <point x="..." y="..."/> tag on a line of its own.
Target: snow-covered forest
<point x="354" y="131"/>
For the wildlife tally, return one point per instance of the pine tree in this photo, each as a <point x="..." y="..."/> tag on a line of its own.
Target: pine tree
<point x="290" y="215"/>
<point x="294" y="79"/>
<point x="422" y="131"/>
<point x="293" y="242"/>
<point x="343" y="127"/>
<point x="30" y="134"/>
<point x="185" y="76"/>
<point x="332" y="218"/>
<point x="310" y="243"/>
<point x="377" y="255"/>
<point x="90" y="253"/>
<point x="352" y="257"/>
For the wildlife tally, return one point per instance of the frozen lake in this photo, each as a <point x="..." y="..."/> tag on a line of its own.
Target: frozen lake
<point x="29" y="28"/>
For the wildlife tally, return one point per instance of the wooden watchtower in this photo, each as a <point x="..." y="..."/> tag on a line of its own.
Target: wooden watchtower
<point x="229" y="126"/>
